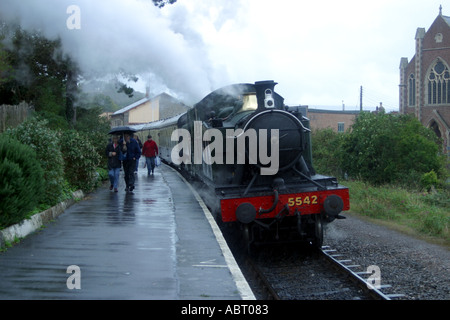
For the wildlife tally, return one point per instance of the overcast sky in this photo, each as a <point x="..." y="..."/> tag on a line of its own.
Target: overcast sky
<point x="319" y="52"/>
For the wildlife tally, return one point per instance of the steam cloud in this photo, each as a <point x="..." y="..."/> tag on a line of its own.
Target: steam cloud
<point x="132" y="36"/>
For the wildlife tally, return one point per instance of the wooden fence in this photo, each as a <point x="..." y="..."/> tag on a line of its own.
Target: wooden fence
<point x="12" y="116"/>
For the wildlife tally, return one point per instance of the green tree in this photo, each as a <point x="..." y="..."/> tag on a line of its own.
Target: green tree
<point x="162" y="3"/>
<point x="326" y="150"/>
<point x="5" y="67"/>
<point x="383" y="148"/>
<point x="41" y="74"/>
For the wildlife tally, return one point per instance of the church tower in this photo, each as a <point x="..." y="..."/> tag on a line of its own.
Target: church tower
<point x="424" y="88"/>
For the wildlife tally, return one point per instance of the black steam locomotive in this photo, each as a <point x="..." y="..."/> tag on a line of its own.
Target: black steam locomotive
<point x="253" y="154"/>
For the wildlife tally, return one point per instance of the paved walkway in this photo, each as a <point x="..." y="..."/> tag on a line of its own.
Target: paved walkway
<point x="153" y="244"/>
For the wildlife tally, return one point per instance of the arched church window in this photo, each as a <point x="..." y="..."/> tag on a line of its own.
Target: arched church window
<point x="412" y="90"/>
<point x="439" y="84"/>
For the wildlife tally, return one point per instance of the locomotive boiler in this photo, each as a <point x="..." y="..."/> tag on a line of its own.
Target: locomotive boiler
<point x="253" y="155"/>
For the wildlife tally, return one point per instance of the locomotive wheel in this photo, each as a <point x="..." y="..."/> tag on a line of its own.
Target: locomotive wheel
<point x="247" y="239"/>
<point x="318" y="232"/>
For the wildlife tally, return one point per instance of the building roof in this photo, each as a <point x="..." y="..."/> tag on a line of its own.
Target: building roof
<point x="140" y="102"/>
<point x="131" y="106"/>
<point x="446" y="19"/>
<point x="333" y="111"/>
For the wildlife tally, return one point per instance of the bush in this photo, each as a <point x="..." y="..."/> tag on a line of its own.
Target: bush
<point x="21" y="181"/>
<point x="385" y="148"/>
<point x="81" y="160"/>
<point x="96" y="128"/>
<point x="429" y="180"/>
<point x="326" y="148"/>
<point x="35" y="133"/>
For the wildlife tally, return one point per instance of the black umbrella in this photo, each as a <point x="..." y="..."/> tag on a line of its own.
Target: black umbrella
<point x="122" y="130"/>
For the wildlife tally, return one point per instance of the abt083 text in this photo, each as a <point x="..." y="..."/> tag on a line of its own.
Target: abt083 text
<point x="237" y="309"/>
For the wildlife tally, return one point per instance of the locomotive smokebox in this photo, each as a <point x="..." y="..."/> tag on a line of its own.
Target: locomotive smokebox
<point x="263" y="89"/>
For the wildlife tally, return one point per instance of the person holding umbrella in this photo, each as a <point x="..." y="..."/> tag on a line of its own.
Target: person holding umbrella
<point x="114" y="164"/>
<point x="130" y="153"/>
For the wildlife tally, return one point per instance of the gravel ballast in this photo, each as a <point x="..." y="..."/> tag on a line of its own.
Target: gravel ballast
<point x="415" y="268"/>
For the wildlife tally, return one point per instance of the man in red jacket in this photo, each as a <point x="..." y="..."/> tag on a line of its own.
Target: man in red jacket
<point x="150" y="151"/>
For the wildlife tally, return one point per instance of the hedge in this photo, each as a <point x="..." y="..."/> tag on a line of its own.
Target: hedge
<point x="36" y="134"/>
<point x="21" y="181"/>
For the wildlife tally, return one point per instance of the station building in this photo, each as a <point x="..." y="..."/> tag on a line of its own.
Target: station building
<point x="147" y="110"/>
<point x="338" y="121"/>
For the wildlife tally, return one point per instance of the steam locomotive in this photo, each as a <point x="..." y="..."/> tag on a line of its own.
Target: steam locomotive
<point x="253" y="155"/>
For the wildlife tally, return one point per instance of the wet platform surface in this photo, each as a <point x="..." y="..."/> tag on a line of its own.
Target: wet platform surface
<point x="153" y="244"/>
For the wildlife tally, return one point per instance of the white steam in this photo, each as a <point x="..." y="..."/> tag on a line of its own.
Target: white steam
<point x="132" y="36"/>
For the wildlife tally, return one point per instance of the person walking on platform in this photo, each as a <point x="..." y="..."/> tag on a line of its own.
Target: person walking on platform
<point x="114" y="164"/>
<point x="140" y="147"/>
<point x="150" y="151"/>
<point x="131" y="152"/>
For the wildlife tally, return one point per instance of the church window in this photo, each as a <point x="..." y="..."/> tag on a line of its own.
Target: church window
<point x="439" y="84"/>
<point x="412" y="91"/>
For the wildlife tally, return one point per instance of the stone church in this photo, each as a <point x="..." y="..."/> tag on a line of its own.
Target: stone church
<point x="425" y="80"/>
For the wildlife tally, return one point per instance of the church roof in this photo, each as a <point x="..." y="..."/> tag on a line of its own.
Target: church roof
<point x="446" y="19"/>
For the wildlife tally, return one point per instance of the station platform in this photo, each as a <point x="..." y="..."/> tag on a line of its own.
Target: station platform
<point x="158" y="243"/>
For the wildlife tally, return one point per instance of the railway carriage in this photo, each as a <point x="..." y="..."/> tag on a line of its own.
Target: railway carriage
<point x="253" y="155"/>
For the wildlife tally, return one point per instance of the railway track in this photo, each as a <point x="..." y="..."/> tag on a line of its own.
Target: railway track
<point x="372" y="285"/>
<point x="265" y="288"/>
<point x="318" y="275"/>
<point x="297" y="272"/>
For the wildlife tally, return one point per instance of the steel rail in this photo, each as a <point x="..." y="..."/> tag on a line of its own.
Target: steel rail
<point x="363" y="283"/>
<point x="271" y="292"/>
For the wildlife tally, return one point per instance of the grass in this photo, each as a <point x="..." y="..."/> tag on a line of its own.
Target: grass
<point x="421" y="213"/>
<point x="9" y="244"/>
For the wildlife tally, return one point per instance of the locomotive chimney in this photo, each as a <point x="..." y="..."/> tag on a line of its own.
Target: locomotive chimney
<point x="261" y="87"/>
